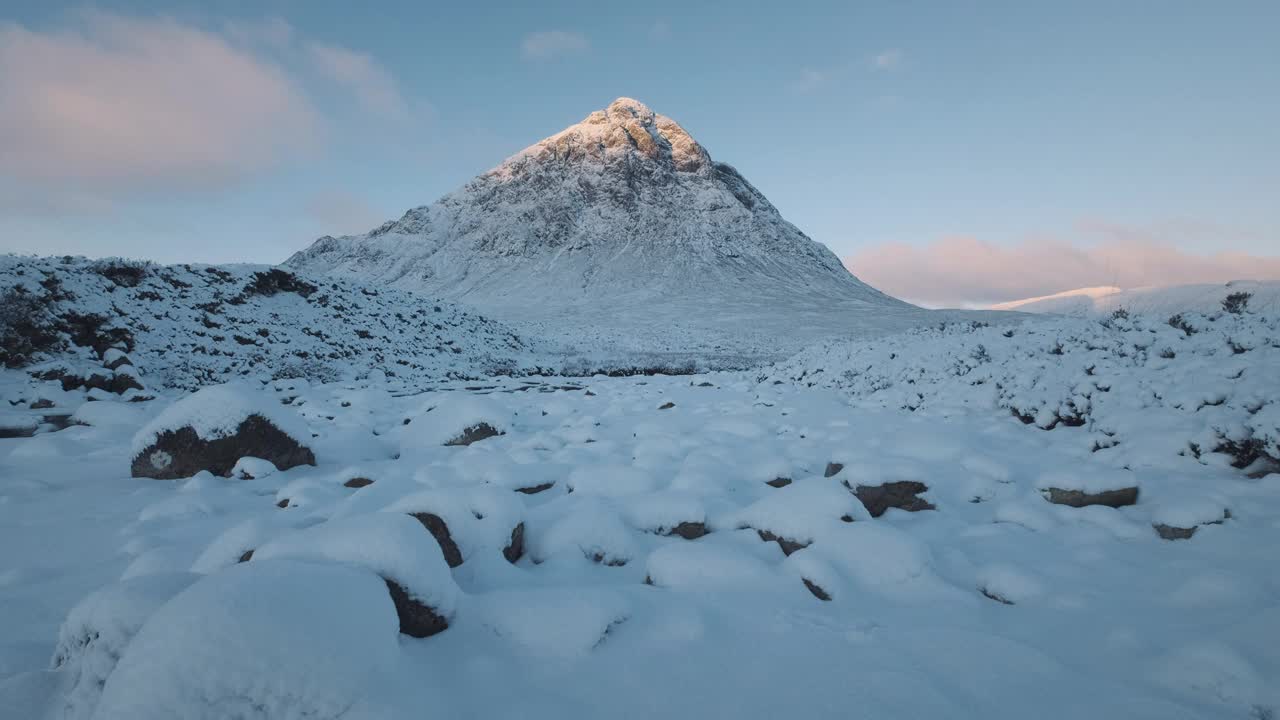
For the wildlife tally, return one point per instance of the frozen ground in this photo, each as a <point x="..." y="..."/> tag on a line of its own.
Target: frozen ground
<point x="126" y="598"/>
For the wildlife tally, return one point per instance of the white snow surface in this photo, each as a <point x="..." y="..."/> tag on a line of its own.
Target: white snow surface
<point x="127" y="598"/>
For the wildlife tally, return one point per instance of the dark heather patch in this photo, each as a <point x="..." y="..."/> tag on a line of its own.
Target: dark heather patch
<point x="475" y="433"/>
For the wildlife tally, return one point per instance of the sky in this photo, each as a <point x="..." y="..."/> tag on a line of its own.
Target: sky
<point x="953" y="153"/>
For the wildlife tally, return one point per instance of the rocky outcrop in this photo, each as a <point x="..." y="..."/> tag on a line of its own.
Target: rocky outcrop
<point x="182" y="453"/>
<point x="903" y="495"/>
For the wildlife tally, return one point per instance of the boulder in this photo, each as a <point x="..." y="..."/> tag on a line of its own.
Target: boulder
<point x="182" y="452"/>
<point x="1078" y="498"/>
<point x="689" y="530"/>
<point x="535" y="489"/>
<point x="440" y="531"/>
<point x="788" y="546"/>
<point x="903" y="495"/>
<point x="358" y="482"/>
<point x="833" y="468"/>
<point x="817" y="590"/>
<point x="515" y="549"/>
<point x="1173" y="532"/>
<point x="779" y="482"/>
<point x="416" y="619"/>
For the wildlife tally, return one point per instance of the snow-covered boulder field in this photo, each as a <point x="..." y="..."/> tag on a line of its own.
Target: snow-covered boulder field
<point x="1131" y="390"/>
<point x="782" y="543"/>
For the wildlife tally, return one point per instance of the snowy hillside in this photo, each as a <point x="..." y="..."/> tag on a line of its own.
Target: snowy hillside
<point x="184" y="326"/>
<point x="621" y="229"/>
<point x="714" y="546"/>
<point x="1157" y="301"/>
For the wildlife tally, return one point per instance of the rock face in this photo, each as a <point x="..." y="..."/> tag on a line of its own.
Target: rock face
<point x="902" y="495"/>
<point x="1078" y="498"/>
<point x="440" y="531"/>
<point x="182" y="453"/>
<point x="623" y="211"/>
<point x="416" y="620"/>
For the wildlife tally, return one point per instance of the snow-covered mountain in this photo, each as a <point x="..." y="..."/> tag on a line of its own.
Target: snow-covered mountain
<point x="1164" y="300"/>
<point x="623" y="227"/>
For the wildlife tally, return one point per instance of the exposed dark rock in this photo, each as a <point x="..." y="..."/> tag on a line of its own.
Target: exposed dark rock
<point x="1172" y="532"/>
<point x="120" y="361"/>
<point x="41" y="404"/>
<point x="902" y="495"/>
<point x="788" y="546"/>
<point x="817" y="591"/>
<point x="440" y="531"/>
<point x="1079" y="498"/>
<point x="602" y="559"/>
<point x="247" y="556"/>
<point x="181" y="453"/>
<point x="515" y="549"/>
<point x="832" y="469"/>
<point x="358" y="482"/>
<point x="779" y="482"/>
<point x="283" y="503"/>
<point x="535" y="489"/>
<point x="689" y="530"/>
<point x="17" y="432"/>
<point x="416" y="620"/>
<point x="995" y="596"/>
<point x="846" y="518"/>
<point x="666" y="406"/>
<point x="475" y="433"/>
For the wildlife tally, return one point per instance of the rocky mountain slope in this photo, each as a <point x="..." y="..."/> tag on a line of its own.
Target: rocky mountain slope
<point x="184" y="326"/>
<point x="620" y="228"/>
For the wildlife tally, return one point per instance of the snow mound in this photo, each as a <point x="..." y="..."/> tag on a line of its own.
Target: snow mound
<point x="393" y="546"/>
<point x="261" y="640"/>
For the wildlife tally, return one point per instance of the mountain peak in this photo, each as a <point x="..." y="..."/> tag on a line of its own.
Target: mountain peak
<point x="627" y="127"/>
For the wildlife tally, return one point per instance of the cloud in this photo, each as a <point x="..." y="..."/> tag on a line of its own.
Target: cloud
<point x="552" y="43"/>
<point x="110" y="105"/>
<point x="887" y="60"/>
<point x="142" y="102"/>
<point x="374" y="87"/>
<point x="964" y="271"/>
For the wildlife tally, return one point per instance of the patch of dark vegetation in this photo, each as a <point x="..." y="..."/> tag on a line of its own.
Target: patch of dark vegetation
<point x="274" y="281"/>
<point x="1237" y="302"/>
<point x="124" y="273"/>
<point x="28" y="328"/>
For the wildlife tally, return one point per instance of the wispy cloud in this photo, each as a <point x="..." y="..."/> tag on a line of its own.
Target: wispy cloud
<point x="965" y="271"/>
<point x="111" y="104"/>
<point x="143" y="101"/>
<point x="374" y="87"/>
<point x="886" y="60"/>
<point x="552" y="43"/>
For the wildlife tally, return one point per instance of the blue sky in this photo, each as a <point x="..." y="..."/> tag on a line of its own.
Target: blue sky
<point x="873" y="126"/>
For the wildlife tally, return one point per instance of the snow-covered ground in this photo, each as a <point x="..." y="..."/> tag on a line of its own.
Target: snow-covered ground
<point x="707" y="546"/>
<point x="1159" y="300"/>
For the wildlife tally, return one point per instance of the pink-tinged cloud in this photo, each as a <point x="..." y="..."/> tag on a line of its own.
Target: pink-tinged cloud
<point x="121" y="103"/>
<point x="374" y="88"/>
<point x="963" y="271"/>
